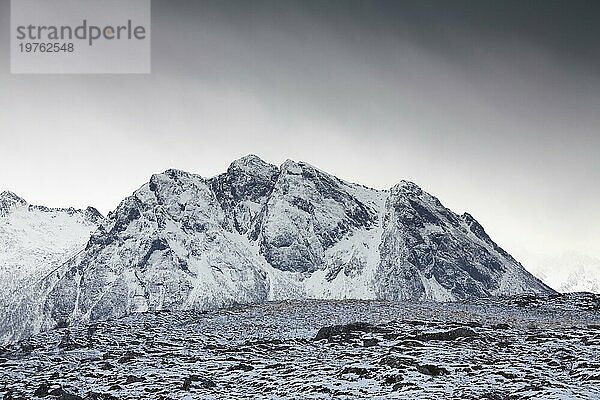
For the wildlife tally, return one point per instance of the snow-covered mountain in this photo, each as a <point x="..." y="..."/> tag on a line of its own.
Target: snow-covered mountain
<point x="569" y="272"/>
<point x="34" y="240"/>
<point x="258" y="233"/>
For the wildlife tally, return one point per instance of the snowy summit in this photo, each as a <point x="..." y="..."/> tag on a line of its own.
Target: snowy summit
<point x="255" y="233"/>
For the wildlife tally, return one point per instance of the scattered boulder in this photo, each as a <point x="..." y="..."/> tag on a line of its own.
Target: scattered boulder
<point x="128" y="357"/>
<point x="204" y="383"/>
<point x="67" y="343"/>
<point x="392" y="379"/>
<point x="344" y="333"/>
<point x="358" y="371"/>
<point x="241" y="367"/>
<point x="100" y="396"/>
<point x="91" y="331"/>
<point x="42" y="390"/>
<point x="26" y="347"/>
<point x="494" y="396"/>
<point x="397" y="362"/>
<point x="526" y="300"/>
<point x="106" y="366"/>
<point x="433" y="370"/>
<point x="409" y="343"/>
<point x="447" y="335"/>
<point x="62" y="394"/>
<point x="133" y="379"/>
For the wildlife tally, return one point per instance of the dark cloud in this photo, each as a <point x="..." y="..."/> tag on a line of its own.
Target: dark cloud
<point x="569" y="29"/>
<point x="492" y="105"/>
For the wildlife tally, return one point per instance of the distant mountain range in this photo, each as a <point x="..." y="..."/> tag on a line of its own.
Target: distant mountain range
<point x="255" y="233"/>
<point x="570" y="272"/>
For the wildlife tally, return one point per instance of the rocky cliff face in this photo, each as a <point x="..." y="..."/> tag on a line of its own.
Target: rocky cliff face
<point x="244" y="190"/>
<point x="259" y="232"/>
<point x="168" y="246"/>
<point x="307" y="213"/>
<point x="428" y="252"/>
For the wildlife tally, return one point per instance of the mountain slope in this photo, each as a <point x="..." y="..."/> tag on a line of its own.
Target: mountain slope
<point x="259" y="232"/>
<point x="36" y="240"/>
<point x="428" y="252"/>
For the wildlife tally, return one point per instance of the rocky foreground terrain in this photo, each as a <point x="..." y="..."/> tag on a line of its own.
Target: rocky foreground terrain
<point x="505" y="348"/>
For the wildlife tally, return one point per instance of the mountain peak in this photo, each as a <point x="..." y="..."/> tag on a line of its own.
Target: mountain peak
<point x="252" y="164"/>
<point x="175" y="174"/>
<point x="8" y="200"/>
<point x="292" y="167"/>
<point x="93" y="215"/>
<point x="8" y="195"/>
<point x="407" y="187"/>
<point x="171" y="176"/>
<point x="249" y="159"/>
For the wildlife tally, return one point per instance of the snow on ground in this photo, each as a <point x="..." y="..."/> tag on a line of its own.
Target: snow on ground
<point x="526" y="347"/>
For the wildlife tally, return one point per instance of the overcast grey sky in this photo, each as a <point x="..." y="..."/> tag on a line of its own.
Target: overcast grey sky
<point x="494" y="107"/>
